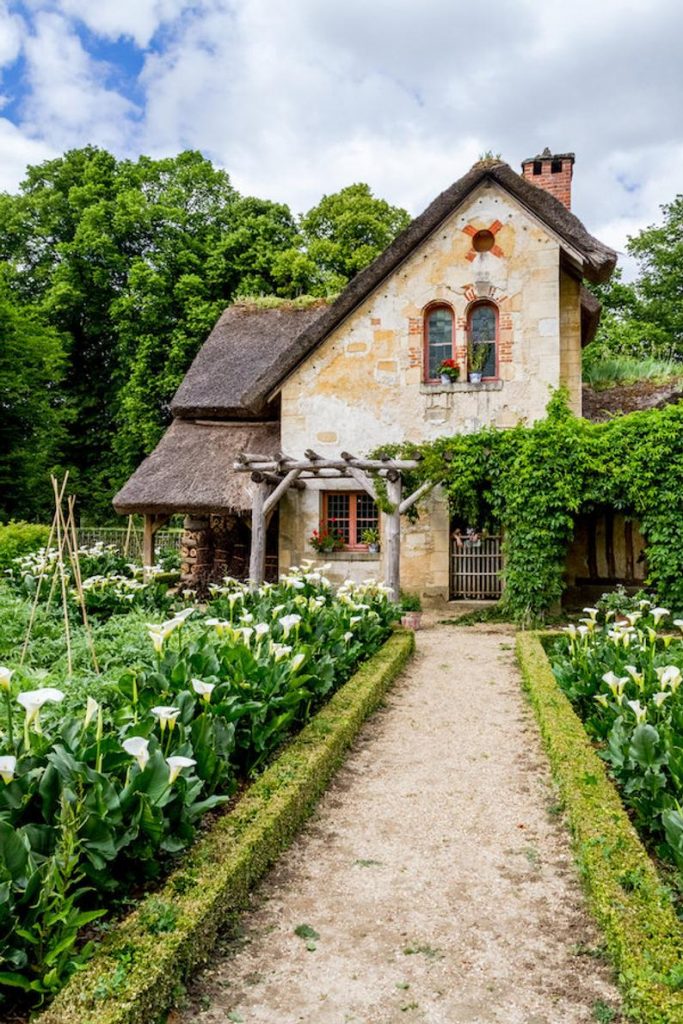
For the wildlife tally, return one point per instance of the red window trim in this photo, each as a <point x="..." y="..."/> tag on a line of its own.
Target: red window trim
<point x="353" y="516"/>
<point x="494" y="307"/>
<point x="428" y="310"/>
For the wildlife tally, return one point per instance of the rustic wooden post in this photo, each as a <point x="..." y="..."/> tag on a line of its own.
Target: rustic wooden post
<point x="149" y="530"/>
<point x="392" y="535"/>
<point x="257" y="558"/>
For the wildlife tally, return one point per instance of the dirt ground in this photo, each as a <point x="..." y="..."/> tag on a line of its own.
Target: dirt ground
<point x="435" y="882"/>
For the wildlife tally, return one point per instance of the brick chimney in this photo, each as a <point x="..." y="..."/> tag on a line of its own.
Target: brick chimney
<point x="553" y="172"/>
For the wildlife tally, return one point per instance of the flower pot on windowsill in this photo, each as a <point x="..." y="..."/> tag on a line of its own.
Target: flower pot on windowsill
<point x="475" y="378"/>
<point x="373" y="549"/>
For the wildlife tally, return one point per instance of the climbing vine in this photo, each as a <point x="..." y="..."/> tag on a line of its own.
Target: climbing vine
<point x="534" y="481"/>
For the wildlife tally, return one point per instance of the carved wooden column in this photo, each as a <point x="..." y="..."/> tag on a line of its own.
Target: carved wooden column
<point x="195" y="551"/>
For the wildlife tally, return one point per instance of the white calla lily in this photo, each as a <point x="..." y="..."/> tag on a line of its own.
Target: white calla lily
<point x="203" y="690"/>
<point x="5" y="676"/>
<point x="615" y="683"/>
<point x="288" y="622"/>
<point x="670" y="676"/>
<point x="660" y="697"/>
<point x="176" y="763"/>
<point x="638" y="710"/>
<point x="297" y="661"/>
<point x="658" y="614"/>
<point x="137" y="747"/>
<point x="602" y="699"/>
<point x="635" y="675"/>
<point x="167" y="715"/>
<point x="8" y="767"/>
<point x="91" y="709"/>
<point x="593" y="612"/>
<point x="33" y="700"/>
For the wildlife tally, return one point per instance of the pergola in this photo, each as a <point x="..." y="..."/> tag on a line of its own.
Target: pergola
<point x="274" y="477"/>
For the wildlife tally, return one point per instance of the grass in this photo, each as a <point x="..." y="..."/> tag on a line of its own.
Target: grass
<point x="615" y="370"/>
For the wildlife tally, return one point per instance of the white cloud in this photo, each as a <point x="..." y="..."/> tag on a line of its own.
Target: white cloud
<point x="70" y="102"/>
<point x="137" y="19"/>
<point x="299" y="98"/>
<point x="18" y="150"/>
<point x="11" y="27"/>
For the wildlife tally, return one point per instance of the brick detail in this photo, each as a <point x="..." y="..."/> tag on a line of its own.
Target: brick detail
<point x="414" y="357"/>
<point x="415" y="325"/>
<point x="558" y="183"/>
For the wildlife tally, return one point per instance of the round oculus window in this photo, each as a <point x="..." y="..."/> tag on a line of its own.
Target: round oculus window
<point x="483" y="241"/>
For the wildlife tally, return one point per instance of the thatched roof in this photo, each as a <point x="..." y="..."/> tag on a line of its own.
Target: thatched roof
<point x="252" y="350"/>
<point x="247" y="344"/>
<point x="191" y="469"/>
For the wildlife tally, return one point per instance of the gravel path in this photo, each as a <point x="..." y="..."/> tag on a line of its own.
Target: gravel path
<point x="435" y="880"/>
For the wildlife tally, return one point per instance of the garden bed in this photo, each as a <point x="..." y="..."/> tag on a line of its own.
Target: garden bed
<point x="139" y="969"/>
<point x="644" y="938"/>
<point x="105" y="778"/>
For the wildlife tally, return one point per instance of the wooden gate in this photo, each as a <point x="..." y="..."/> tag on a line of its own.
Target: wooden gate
<point x="475" y="568"/>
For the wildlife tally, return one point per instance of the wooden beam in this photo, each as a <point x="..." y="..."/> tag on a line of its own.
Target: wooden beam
<point x="364" y="480"/>
<point x="284" y="485"/>
<point x="392" y="539"/>
<point x="271" y="466"/>
<point x="416" y="495"/>
<point x="257" y="557"/>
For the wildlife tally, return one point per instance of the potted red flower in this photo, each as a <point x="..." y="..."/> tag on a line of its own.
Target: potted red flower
<point x="449" y="371"/>
<point x="326" y="539"/>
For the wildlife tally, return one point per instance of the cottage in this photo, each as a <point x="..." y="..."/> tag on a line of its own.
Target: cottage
<point x="490" y="276"/>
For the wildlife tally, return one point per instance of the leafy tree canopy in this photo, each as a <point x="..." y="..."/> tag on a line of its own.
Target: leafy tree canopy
<point x="645" y="318"/>
<point x="131" y="262"/>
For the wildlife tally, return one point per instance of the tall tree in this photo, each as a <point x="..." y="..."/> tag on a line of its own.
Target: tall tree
<point x="32" y="412"/>
<point x="340" y="236"/>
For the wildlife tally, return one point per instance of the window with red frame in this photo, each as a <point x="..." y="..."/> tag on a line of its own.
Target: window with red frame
<point x="438" y="339"/>
<point x="349" y="514"/>
<point x="482" y="327"/>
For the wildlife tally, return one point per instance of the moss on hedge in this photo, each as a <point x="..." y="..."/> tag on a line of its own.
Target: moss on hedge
<point x="644" y="937"/>
<point x="138" y="970"/>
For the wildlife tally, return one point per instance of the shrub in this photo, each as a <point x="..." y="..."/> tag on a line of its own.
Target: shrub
<point x="19" y="539"/>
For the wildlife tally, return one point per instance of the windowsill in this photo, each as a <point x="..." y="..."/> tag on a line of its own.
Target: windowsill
<point x="460" y="387"/>
<point x="348" y="556"/>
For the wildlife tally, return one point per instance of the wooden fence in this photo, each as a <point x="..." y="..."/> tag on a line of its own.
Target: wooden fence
<point x="128" y="542"/>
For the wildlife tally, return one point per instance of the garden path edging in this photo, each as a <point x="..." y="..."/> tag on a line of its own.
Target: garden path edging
<point x="644" y="937"/>
<point x="137" y="971"/>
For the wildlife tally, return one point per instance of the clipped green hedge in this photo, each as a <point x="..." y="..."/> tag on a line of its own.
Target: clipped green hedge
<point x="643" y="935"/>
<point x="137" y="971"/>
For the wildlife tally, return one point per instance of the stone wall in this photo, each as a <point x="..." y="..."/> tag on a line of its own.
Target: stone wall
<point x="363" y="387"/>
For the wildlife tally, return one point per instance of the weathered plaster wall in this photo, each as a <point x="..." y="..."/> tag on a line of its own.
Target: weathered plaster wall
<point x="570" y="339"/>
<point x="363" y="386"/>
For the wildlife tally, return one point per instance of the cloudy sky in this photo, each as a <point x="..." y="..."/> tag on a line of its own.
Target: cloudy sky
<point x="296" y="98"/>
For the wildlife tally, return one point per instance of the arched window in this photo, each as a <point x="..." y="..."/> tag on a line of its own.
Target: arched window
<point x="438" y="339"/>
<point x="482" y="334"/>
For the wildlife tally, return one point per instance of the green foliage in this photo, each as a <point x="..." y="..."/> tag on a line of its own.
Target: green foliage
<point x="625" y="682"/>
<point x="644" y="319"/>
<point x="534" y="481"/>
<point x="610" y="371"/>
<point x="20" y="539"/>
<point x="134" y="975"/>
<point x="32" y="361"/>
<point x="643" y="935"/>
<point x="113" y="274"/>
<point x="94" y="801"/>
<point x="340" y="236"/>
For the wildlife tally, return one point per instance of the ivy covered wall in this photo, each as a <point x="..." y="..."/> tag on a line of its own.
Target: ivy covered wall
<point x="534" y="481"/>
